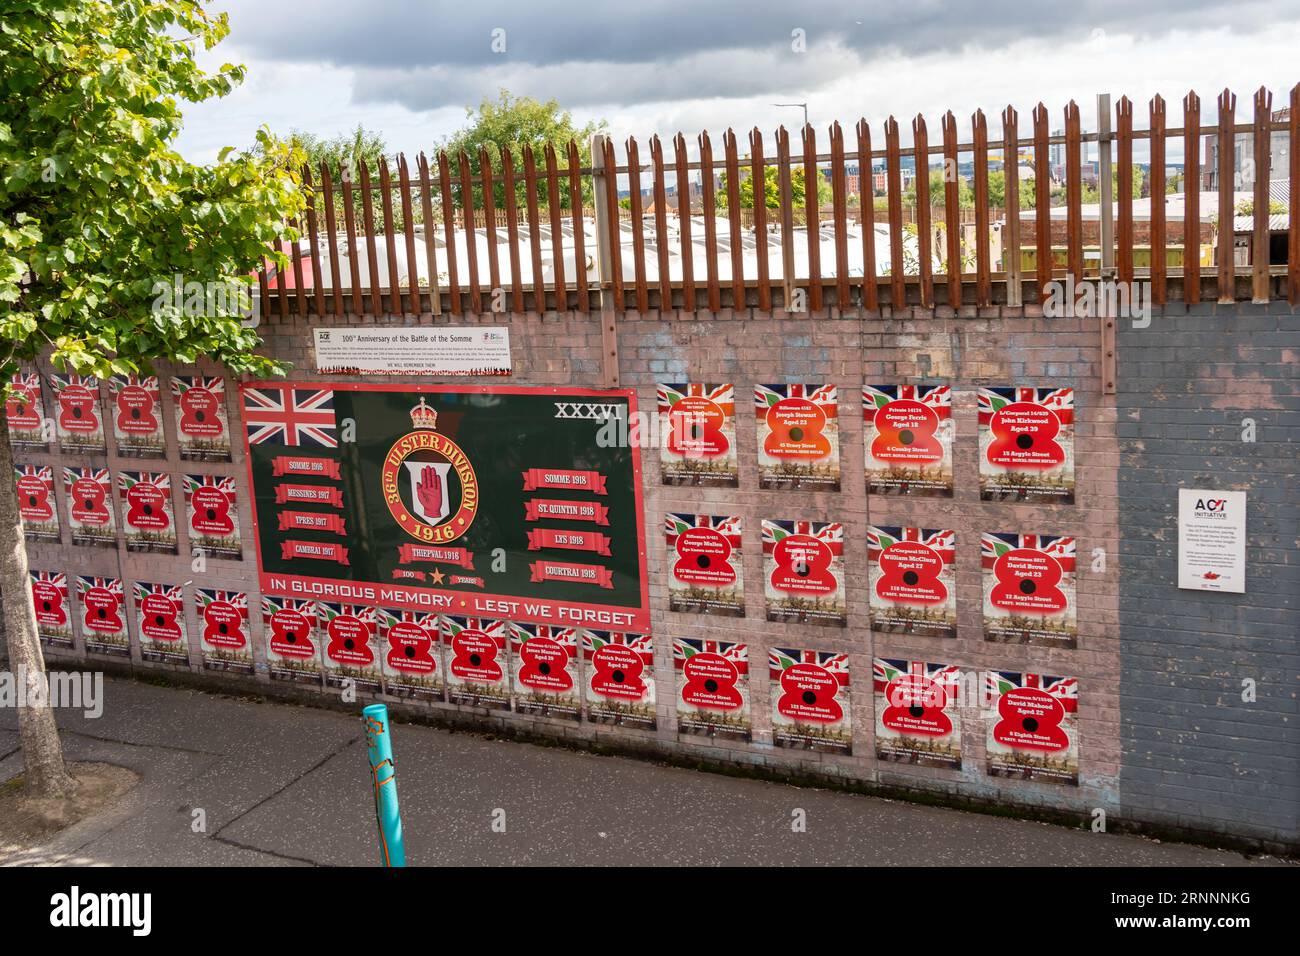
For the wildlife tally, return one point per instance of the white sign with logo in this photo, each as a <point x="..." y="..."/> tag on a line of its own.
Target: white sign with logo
<point x="413" y="350"/>
<point x="1212" y="540"/>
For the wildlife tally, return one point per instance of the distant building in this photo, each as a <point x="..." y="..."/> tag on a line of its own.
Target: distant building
<point x="1244" y="151"/>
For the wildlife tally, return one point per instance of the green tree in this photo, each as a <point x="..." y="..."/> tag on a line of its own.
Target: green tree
<point x="965" y="194"/>
<point x="507" y="124"/>
<point x="345" y="156"/>
<point x="1093" y="194"/>
<point x="772" y="189"/>
<point x="98" y="215"/>
<point x="998" y="190"/>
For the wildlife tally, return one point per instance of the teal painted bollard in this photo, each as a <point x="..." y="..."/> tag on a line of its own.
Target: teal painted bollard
<point x="383" y="774"/>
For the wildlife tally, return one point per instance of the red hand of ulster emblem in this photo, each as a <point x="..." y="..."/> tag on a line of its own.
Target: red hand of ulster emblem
<point x="429" y="491"/>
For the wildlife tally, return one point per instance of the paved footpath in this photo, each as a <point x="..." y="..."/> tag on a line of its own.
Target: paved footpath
<point x="281" y="784"/>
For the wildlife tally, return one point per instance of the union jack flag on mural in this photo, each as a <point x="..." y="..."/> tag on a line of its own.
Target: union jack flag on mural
<point x="684" y="648"/>
<point x="831" y="534"/>
<point x="677" y="524"/>
<point x="994" y="545"/>
<point x="284" y="415"/>
<point x="1064" y="689"/>
<point x="886" y="669"/>
<point x="1059" y="400"/>
<point x="779" y="658"/>
<point x="825" y="396"/>
<point x="937" y="397"/>
<point x="724" y="396"/>
<point x="941" y="540"/>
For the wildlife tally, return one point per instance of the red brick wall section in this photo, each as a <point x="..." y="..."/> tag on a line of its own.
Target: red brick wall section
<point x="994" y="347"/>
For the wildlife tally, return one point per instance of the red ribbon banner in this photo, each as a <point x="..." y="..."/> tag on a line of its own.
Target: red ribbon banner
<point x="312" y="521"/>
<point x="540" y="538"/>
<point x="304" y="467"/>
<point x="591" y="481"/>
<point x="309" y="495"/>
<point x="321" y="551"/>
<point x="538" y="508"/>
<point x="411" y="553"/>
<point x="577" y="573"/>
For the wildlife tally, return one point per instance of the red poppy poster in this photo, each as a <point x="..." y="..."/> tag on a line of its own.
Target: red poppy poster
<point x="908" y="433"/>
<point x="224" y="636"/>
<point x="35" y="487"/>
<point x="620" y="676"/>
<point x="53" y="616"/>
<point x="798" y="436"/>
<point x="89" y="493"/>
<point x="136" y="417"/>
<point x="1027" y="444"/>
<point x="705" y="565"/>
<point x="213" y="520"/>
<point x="202" y="422"/>
<point x="147" y="517"/>
<point x="912" y="578"/>
<point x="411" y="651"/>
<point x="712" y="688"/>
<point x="917" y="717"/>
<point x="1032" y="727"/>
<point x="1029" y="589"/>
<point x="160" y="620"/>
<point x="103" y="616"/>
<point x="697" y="434"/>
<point x="810" y="700"/>
<point x="292" y="652"/>
<point x="78" y="420"/>
<point x="475" y="654"/>
<point x="349" y="646"/>
<point x="544" y="670"/>
<point x="803" y="572"/>
<point x="26" y="413"/>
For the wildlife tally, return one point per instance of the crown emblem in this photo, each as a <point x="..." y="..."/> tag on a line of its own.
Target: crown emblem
<point x="422" y="416"/>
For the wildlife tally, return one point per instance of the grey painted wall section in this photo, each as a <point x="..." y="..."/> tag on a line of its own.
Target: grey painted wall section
<point x="1194" y="753"/>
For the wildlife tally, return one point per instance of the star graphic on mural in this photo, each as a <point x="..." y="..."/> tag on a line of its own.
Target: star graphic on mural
<point x="436" y="576"/>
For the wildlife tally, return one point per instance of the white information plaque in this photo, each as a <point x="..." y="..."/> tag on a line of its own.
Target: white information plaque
<point x="413" y="350"/>
<point x="1212" y="540"/>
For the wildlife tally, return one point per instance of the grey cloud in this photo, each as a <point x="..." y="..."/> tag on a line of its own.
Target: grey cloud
<point x="427" y="54"/>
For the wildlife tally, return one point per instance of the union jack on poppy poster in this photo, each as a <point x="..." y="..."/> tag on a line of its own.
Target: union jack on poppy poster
<point x="213" y="519"/>
<point x="137" y="419"/>
<point x="712" y="688"/>
<point x="697" y="434"/>
<point x="911" y="574"/>
<point x="619" y="671"/>
<point x="411" y="650"/>
<point x="160" y="623"/>
<point x="147" y="517"/>
<point x="289" y="629"/>
<point x="224" y="636"/>
<point x="803" y="572"/>
<point x="705" y="564"/>
<point x="26" y="412"/>
<point x="53" y="616"/>
<point x="917" y="715"/>
<point x="908" y="435"/>
<point x="35" y="487"/>
<point x="1029" y="589"/>
<point x="810" y="700"/>
<point x="798" y="436"/>
<point x="103" y="616"/>
<point x="544" y="670"/>
<point x="1027" y="444"/>
<point x="349" y="649"/>
<point x="202" y="422"/>
<point x="477" y="674"/>
<point x="89" y="493"/>
<point x="78" y="419"/>
<point x="1033" y="727"/>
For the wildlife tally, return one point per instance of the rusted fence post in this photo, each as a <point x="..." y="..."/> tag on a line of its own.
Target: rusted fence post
<point x="1107" y="224"/>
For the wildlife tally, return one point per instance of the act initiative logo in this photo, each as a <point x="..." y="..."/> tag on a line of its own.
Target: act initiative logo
<point x="417" y="481"/>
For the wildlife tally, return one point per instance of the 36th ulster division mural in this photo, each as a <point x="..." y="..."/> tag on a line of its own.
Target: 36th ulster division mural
<point x="477" y="501"/>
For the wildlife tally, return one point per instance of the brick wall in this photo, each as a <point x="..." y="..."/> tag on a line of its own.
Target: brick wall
<point x="1125" y="750"/>
<point x="1195" y="753"/>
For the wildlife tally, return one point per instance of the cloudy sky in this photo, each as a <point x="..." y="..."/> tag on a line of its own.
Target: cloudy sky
<point x="409" y="68"/>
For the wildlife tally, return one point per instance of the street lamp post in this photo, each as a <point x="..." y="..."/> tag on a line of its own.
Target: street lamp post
<point x="803" y="106"/>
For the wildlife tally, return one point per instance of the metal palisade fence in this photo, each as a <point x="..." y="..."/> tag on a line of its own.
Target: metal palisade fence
<point x="819" y="223"/>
